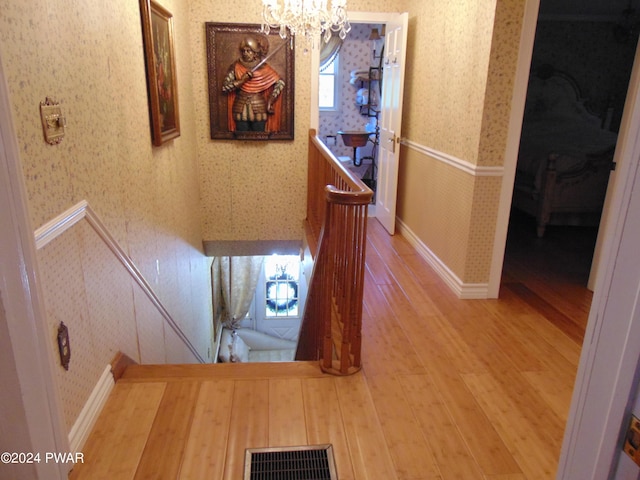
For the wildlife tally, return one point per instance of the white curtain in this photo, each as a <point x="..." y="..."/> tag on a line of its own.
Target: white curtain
<point x="234" y="281"/>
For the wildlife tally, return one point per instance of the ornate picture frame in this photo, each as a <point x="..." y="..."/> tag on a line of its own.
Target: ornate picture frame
<point x="162" y="82"/>
<point x="259" y="106"/>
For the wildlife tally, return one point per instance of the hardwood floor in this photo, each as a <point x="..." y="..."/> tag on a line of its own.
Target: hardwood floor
<point x="450" y="389"/>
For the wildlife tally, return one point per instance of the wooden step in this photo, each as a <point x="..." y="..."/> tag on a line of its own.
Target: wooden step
<point x="190" y="372"/>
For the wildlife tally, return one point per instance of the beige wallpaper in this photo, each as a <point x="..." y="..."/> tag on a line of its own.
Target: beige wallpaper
<point x="89" y="56"/>
<point x="493" y="137"/>
<point x="160" y="203"/>
<point x="500" y="81"/>
<point x="445" y="86"/>
<point x="253" y="190"/>
<point x="434" y="200"/>
<point x="457" y="101"/>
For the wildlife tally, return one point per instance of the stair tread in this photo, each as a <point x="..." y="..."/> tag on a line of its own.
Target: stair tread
<point x="190" y="372"/>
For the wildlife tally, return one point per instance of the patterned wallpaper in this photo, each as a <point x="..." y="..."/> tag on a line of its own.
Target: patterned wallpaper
<point x="250" y="190"/>
<point x="89" y="57"/>
<point x="160" y="203"/>
<point x="242" y="182"/>
<point x="445" y="86"/>
<point x="457" y="98"/>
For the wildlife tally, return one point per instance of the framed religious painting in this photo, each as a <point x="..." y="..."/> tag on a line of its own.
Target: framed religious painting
<point x="162" y="82"/>
<point x="251" y="74"/>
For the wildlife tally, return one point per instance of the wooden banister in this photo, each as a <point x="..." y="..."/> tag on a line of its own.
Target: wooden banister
<point x="336" y="226"/>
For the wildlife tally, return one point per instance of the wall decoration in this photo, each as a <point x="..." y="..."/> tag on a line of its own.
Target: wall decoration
<point x="53" y="121"/>
<point x="251" y="91"/>
<point x="162" y="85"/>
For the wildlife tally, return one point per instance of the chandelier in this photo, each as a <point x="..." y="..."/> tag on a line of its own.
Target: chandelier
<point x="311" y="18"/>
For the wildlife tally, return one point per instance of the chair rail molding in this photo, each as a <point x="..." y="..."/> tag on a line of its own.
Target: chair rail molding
<point x="465" y="166"/>
<point x="82" y="210"/>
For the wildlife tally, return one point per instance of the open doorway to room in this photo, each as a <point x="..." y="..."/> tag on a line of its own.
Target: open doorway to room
<point x="378" y="82"/>
<point x="349" y="98"/>
<point x="588" y="56"/>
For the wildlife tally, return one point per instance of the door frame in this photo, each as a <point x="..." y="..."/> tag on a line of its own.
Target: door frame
<point x="527" y="38"/>
<point x="354" y="17"/>
<point x="33" y="400"/>
<point x="608" y="362"/>
<point x="609" y="359"/>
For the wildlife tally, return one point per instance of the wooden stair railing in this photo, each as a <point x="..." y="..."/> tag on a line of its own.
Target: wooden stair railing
<point x="336" y="227"/>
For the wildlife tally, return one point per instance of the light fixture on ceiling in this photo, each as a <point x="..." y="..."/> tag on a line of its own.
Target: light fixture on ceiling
<point x="311" y="18"/>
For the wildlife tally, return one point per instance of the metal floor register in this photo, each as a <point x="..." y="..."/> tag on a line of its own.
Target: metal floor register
<point x="314" y="462"/>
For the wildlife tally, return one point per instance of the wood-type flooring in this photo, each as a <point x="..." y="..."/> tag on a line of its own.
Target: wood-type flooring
<point x="450" y="389"/>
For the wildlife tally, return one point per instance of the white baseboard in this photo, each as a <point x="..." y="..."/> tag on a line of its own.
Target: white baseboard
<point x="89" y="414"/>
<point x="465" y="291"/>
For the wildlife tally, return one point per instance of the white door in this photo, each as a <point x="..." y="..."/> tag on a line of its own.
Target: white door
<point x="280" y="297"/>
<point x="607" y="379"/>
<point x="390" y="120"/>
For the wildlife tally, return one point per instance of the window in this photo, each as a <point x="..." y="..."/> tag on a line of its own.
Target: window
<point x="282" y="279"/>
<point x="278" y="304"/>
<point x="328" y="91"/>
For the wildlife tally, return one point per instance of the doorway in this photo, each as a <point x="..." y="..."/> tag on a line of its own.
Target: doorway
<point x="596" y="53"/>
<point x="383" y="171"/>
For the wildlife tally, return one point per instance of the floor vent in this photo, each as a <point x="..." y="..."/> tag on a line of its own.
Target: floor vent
<point x="314" y="462"/>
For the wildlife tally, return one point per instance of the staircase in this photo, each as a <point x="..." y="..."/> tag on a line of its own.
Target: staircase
<point x="336" y="226"/>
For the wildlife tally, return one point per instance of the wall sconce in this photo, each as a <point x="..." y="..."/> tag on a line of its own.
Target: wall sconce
<point x="375" y="40"/>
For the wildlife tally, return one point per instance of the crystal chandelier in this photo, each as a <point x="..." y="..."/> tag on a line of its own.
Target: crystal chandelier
<point x="311" y="18"/>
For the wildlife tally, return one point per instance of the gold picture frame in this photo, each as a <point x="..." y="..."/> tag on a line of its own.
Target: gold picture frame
<point x="273" y="63"/>
<point x="162" y="82"/>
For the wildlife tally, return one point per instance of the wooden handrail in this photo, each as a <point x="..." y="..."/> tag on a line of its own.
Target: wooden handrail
<point x="336" y="226"/>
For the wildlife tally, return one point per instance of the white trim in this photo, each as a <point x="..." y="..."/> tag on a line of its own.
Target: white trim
<point x="465" y="166"/>
<point x="217" y="345"/>
<point x="314" y="110"/>
<point x="57" y="226"/>
<point x="34" y="394"/>
<point x="91" y="410"/>
<point x="464" y="291"/>
<point x="83" y="210"/>
<point x="609" y="359"/>
<point x="336" y="108"/>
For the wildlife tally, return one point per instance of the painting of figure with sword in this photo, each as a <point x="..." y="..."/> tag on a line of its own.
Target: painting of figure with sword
<point x="254" y="88"/>
<point x="251" y="77"/>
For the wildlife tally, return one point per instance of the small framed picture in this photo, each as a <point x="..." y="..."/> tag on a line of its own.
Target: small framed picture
<point x="251" y="74"/>
<point x="162" y="84"/>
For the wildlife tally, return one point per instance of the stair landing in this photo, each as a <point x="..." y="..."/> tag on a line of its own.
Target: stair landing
<point x="196" y="421"/>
